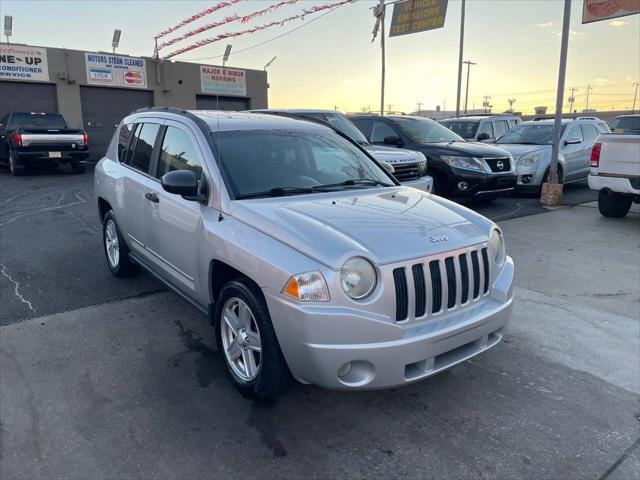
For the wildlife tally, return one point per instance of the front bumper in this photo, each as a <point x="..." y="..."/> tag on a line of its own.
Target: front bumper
<point x="318" y="341"/>
<point x="480" y="184"/>
<point x="42" y="157"/>
<point x="615" y="184"/>
<point x="423" y="183"/>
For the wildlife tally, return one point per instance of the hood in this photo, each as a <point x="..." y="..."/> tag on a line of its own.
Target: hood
<point x="382" y="224"/>
<point x="394" y="155"/>
<point x="469" y="149"/>
<point x="518" y="150"/>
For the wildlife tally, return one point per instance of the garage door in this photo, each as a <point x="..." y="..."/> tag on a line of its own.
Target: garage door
<point x="27" y="97"/>
<point x="103" y="108"/>
<point x="211" y="102"/>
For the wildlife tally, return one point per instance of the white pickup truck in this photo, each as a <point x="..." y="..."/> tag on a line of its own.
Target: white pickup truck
<point x="615" y="172"/>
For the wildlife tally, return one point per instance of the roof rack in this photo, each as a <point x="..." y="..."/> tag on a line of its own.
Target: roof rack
<point x="504" y="114"/>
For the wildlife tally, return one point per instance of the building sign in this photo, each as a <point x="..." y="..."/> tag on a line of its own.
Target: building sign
<point x="415" y="16"/>
<point x="115" y="71"/>
<point x="223" y="81"/>
<point x="596" y="10"/>
<point x="23" y="63"/>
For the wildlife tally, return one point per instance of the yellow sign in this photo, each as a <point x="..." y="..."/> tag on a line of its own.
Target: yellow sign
<point x="415" y="16"/>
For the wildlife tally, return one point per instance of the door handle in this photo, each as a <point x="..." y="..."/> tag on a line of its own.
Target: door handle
<point x="152" y="197"/>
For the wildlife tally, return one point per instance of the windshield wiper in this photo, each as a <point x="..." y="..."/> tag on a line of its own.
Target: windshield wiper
<point x="354" y="182"/>
<point x="277" y="192"/>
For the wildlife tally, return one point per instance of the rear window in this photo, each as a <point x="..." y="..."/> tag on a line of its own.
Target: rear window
<point x="47" y="121"/>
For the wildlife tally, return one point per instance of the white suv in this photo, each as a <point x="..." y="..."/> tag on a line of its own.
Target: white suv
<point x="482" y="128"/>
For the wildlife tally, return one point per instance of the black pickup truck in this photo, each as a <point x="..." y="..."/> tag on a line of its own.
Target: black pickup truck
<point x="32" y="138"/>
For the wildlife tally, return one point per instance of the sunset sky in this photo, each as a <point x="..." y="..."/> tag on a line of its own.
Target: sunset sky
<point x="331" y="61"/>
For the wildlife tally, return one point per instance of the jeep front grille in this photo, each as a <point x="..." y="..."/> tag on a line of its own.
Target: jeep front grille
<point x="442" y="284"/>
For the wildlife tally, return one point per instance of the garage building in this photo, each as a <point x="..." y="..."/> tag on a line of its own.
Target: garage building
<point x="95" y="90"/>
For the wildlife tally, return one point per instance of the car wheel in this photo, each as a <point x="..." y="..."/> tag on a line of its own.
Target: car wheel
<point x="247" y="341"/>
<point x="613" y="205"/>
<point x="16" y="170"/>
<point x="115" y="248"/>
<point x="548" y="172"/>
<point x="78" y="167"/>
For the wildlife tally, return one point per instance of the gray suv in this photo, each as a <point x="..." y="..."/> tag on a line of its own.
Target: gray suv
<point x="310" y="260"/>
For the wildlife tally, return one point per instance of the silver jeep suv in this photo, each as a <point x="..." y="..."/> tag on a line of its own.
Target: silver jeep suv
<point x="310" y="260"/>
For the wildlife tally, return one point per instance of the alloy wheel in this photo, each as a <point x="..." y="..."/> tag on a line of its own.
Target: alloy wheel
<point x="241" y="339"/>
<point x="111" y="243"/>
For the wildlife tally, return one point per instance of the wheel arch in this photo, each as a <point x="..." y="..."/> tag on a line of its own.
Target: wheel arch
<point x="103" y="207"/>
<point x="221" y="273"/>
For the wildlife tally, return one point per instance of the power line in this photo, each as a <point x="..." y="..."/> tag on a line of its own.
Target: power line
<point x="266" y="41"/>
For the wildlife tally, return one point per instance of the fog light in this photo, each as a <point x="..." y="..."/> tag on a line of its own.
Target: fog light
<point x="463" y="186"/>
<point x="344" y="370"/>
<point x="526" y="178"/>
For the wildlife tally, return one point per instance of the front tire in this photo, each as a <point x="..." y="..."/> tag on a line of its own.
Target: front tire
<point x="613" y="205"/>
<point x="115" y="248"/>
<point x="247" y="341"/>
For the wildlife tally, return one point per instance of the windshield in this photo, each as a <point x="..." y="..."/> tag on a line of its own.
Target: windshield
<point x="274" y="163"/>
<point x="530" y="135"/>
<point x="422" y="130"/>
<point x="463" y="128"/>
<point x="47" y="121"/>
<point x="625" y="124"/>
<point x="341" y="123"/>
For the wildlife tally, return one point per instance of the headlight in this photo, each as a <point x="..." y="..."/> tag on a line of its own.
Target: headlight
<point x="422" y="169"/>
<point x="496" y="247"/>
<point x="358" y="278"/>
<point x="307" y="287"/>
<point x="466" y="163"/>
<point x="528" y="160"/>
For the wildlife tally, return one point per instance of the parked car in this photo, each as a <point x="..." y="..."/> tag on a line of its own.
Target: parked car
<point x="32" y="138"/>
<point x="410" y="168"/>
<point x="530" y="144"/>
<point x="310" y="259"/>
<point x="626" y="124"/>
<point x="615" y="172"/>
<point x="482" y="128"/>
<point x="460" y="169"/>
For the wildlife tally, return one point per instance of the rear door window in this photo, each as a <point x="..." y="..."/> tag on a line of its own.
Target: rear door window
<point x="575" y="132"/>
<point x="487" y="128"/>
<point x="145" y="138"/>
<point x="363" y="124"/>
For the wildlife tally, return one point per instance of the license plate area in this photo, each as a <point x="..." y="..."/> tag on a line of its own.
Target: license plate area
<point x="55" y="154"/>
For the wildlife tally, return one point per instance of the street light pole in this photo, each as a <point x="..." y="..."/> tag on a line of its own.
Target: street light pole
<point x="552" y="190"/>
<point x="466" y="95"/>
<point x="635" y="94"/>
<point x="460" y="59"/>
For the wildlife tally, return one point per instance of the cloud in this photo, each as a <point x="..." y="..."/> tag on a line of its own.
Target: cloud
<point x="544" y="25"/>
<point x="617" y="23"/>
<point x="601" y="81"/>
<point x="572" y="33"/>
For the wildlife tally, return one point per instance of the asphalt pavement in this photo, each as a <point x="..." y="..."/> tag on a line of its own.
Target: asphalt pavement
<point x="102" y="378"/>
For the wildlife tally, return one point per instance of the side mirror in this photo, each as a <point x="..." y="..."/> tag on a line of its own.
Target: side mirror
<point x="393" y="140"/>
<point x="572" y="141"/>
<point x="182" y="182"/>
<point x="483" y="137"/>
<point x="388" y="167"/>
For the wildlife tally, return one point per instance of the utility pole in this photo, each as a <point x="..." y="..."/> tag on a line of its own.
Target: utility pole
<point x="389" y="105"/>
<point x="379" y="12"/>
<point x="589" y="90"/>
<point x="466" y="96"/>
<point x="460" y="59"/>
<point x="511" y="102"/>
<point x="419" y="105"/>
<point x="552" y="190"/>
<point x="572" y="99"/>
<point x="486" y="103"/>
<point x="635" y="94"/>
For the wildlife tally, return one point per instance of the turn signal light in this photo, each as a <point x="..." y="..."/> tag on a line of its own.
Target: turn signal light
<point x="85" y="139"/>
<point x="595" y="154"/>
<point x="307" y="287"/>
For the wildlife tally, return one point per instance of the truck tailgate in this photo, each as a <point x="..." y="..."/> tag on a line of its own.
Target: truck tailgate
<point x="620" y="155"/>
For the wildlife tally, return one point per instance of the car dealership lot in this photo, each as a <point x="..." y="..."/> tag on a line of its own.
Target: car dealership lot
<point x="104" y="378"/>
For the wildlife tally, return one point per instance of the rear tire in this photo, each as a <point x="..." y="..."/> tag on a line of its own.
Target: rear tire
<point x="15" y="169"/>
<point x="613" y="205"/>
<point x="248" y="338"/>
<point x="115" y="248"/>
